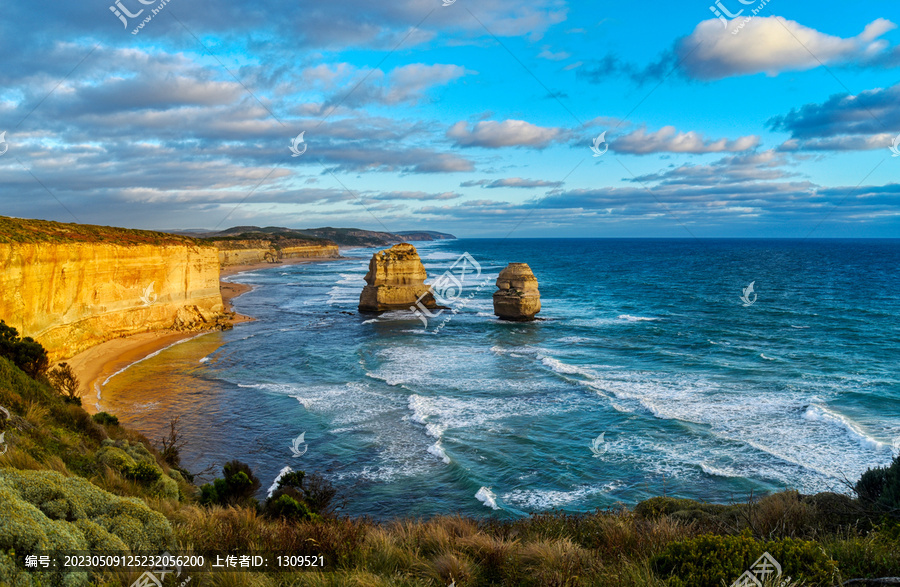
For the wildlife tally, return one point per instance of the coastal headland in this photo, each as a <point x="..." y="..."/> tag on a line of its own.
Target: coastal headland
<point x="101" y="298"/>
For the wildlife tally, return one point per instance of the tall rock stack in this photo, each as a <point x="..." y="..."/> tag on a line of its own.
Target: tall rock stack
<point x="395" y="281"/>
<point x="517" y="297"/>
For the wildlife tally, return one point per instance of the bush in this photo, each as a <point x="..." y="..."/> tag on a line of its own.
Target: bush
<point x="44" y="510"/>
<point x="311" y="499"/>
<point x="880" y="487"/>
<point x="285" y="506"/>
<point x="237" y="488"/>
<point x="63" y="380"/>
<point x="106" y="419"/>
<point x="708" y="560"/>
<point x="142" y="472"/>
<point x="25" y="353"/>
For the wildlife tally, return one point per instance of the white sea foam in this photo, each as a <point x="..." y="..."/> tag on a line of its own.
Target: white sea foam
<point x="338" y="295"/>
<point x="718" y="472"/>
<point x="762" y="356"/>
<point x="574" y="340"/>
<point x="560" y="367"/>
<point x="350" y="279"/>
<point x="545" y="499"/>
<point x="437" y="450"/>
<point x="274" y="486"/>
<point x="631" y="318"/>
<point x="487" y="497"/>
<point x="799" y="327"/>
<point x="823" y="414"/>
<point x="440" y="255"/>
<point x="372" y="321"/>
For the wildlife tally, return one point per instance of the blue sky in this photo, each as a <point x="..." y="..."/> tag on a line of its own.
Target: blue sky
<point x="472" y="118"/>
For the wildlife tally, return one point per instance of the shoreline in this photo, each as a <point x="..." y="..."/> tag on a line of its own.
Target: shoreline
<point x="95" y="365"/>
<point x="234" y="269"/>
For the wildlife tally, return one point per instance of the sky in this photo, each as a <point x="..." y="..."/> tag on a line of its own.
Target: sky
<point x="495" y="118"/>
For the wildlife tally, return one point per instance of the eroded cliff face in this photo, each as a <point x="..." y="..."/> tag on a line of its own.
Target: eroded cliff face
<point x="72" y="295"/>
<point x="249" y="252"/>
<point x="395" y="281"/>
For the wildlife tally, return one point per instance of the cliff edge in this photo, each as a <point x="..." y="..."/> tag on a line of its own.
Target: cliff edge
<point x="71" y="286"/>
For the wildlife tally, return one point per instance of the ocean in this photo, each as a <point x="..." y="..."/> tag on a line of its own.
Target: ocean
<point x="649" y="374"/>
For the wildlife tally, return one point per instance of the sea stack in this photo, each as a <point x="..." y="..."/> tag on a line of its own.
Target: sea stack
<point x="395" y="281"/>
<point x="517" y="297"/>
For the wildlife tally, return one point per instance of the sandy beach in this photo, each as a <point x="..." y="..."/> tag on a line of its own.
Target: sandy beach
<point x="233" y="269"/>
<point x="94" y="365"/>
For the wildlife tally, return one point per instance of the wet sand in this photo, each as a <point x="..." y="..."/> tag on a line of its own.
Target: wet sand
<point x="94" y="365"/>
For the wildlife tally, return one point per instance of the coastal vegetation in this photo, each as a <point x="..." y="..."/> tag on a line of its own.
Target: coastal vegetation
<point x="20" y="230"/>
<point x="72" y="481"/>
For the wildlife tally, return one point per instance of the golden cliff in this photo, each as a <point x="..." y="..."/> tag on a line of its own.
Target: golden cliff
<point x="72" y="286"/>
<point x="253" y="251"/>
<point x="395" y="281"/>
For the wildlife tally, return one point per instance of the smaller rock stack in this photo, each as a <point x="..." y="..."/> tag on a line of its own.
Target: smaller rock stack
<point x="517" y="298"/>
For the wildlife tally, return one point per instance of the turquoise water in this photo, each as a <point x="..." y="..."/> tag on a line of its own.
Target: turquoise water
<point x="645" y="342"/>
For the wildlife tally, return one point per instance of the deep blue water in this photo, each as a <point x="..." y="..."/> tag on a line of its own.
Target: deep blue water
<point x="646" y="342"/>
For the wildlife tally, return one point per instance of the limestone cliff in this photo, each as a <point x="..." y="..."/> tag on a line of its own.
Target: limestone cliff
<point x="395" y="281"/>
<point x="517" y="297"/>
<point x="71" y="286"/>
<point x="252" y="251"/>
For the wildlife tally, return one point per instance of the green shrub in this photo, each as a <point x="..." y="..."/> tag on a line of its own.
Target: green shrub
<point x="44" y="510"/>
<point x="114" y="457"/>
<point x="880" y="487"/>
<point x="237" y="488"/>
<point x="106" y="419"/>
<point x="25" y="353"/>
<point x="312" y="495"/>
<point x="285" y="506"/>
<point x="708" y="560"/>
<point x="143" y="472"/>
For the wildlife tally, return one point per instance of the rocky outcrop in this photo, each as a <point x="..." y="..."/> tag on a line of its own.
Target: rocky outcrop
<point x="73" y="286"/>
<point x="253" y="251"/>
<point x="395" y="281"/>
<point x="517" y="298"/>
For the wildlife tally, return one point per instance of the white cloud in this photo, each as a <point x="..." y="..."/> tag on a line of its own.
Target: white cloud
<point x="771" y="45"/>
<point x="669" y="140"/>
<point x="492" y="134"/>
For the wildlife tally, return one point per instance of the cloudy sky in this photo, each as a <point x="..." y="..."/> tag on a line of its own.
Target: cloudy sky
<point x="476" y="118"/>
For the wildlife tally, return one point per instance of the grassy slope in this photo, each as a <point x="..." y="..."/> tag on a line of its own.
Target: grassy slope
<point x="17" y="230"/>
<point x="612" y="548"/>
